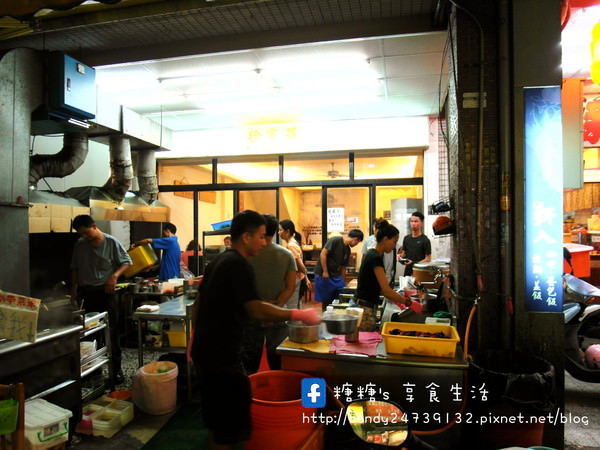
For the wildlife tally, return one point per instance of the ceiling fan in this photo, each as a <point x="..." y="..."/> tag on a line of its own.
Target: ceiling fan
<point x="333" y="173"/>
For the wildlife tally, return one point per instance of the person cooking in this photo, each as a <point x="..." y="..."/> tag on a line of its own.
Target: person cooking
<point x="170" y="263"/>
<point x="372" y="281"/>
<point x="227" y="299"/>
<point x="98" y="261"/>
<point x="416" y="248"/>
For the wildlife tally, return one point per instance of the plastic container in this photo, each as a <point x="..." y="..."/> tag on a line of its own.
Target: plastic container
<point x="277" y="411"/>
<point x="124" y="409"/>
<point x="123" y="394"/>
<point x="142" y="257"/>
<point x="88" y="413"/>
<point x="9" y="412"/>
<point x="46" y="424"/>
<point x="580" y="260"/>
<point x="176" y="338"/>
<point x="416" y="345"/>
<point x="107" y="423"/>
<point x="86" y="348"/>
<point x="155" y="387"/>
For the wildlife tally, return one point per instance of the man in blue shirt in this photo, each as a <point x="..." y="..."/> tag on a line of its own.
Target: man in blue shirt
<point x="171" y="255"/>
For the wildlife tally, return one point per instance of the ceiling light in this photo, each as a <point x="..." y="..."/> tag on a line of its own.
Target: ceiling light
<point x="370" y="166"/>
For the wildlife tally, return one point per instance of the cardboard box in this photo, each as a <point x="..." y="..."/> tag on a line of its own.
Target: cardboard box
<point x="60" y="224"/>
<point x="39" y="210"/>
<point x="39" y="224"/>
<point x="79" y="210"/>
<point x="61" y="211"/>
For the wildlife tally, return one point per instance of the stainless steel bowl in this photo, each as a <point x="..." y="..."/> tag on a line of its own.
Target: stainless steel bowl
<point x="340" y="323"/>
<point x="302" y="333"/>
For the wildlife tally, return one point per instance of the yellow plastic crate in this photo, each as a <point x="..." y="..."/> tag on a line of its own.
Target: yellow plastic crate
<point x="418" y="345"/>
<point x="142" y="257"/>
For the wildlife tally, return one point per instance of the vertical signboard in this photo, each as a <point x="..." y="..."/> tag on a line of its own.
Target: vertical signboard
<point x="543" y="199"/>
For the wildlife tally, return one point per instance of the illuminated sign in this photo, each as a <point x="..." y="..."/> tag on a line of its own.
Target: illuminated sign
<point x="543" y="200"/>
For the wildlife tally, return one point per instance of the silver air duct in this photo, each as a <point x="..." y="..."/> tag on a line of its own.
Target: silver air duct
<point x="61" y="164"/>
<point x="121" y="170"/>
<point x="146" y="176"/>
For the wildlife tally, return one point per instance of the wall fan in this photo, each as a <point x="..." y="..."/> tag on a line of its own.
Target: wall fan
<point x="333" y="173"/>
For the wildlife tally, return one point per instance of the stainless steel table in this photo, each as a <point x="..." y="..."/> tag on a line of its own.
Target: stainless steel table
<point x="421" y="385"/>
<point x="179" y="308"/>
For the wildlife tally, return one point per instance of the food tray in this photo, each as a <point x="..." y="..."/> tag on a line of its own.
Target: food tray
<point x="416" y="345"/>
<point x="124" y="409"/>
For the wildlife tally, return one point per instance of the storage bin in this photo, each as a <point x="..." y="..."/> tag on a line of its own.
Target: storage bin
<point x="142" y="257"/>
<point x="417" y="345"/>
<point x="46" y="424"/>
<point x="155" y="387"/>
<point x="88" y="413"/>
<point x="176" y="338"/>
<point x="86" y="348"/>
<point x="9" y="412"/>
<point x="580" y="260"/>
<point x="124" y="409"/>
<point x="107" y="423"/>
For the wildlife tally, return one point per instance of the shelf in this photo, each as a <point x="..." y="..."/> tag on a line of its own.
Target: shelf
<point x="93" y="330"/>
<point x="95" y="392"/>
<point x="51" y="390"/>
<point x="90" y="358"/>
<point x="93" y="367"/>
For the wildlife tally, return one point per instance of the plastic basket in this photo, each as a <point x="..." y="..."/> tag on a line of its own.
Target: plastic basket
<point x="9" y="413"/>
<point x="417" y="345"/>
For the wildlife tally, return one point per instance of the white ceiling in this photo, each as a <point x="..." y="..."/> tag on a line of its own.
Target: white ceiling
<point x="392" y="76"/>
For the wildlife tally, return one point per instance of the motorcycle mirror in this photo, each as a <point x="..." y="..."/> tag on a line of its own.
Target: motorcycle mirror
<point x="378" y="422"/>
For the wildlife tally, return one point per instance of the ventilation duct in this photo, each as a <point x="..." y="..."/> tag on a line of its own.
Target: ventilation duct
<point x="121" y="169"/>
<point x="146" y="176"/>
<point x="61" y="164"/>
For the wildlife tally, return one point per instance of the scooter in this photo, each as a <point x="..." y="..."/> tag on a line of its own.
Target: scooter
<point x="582" y="329"/>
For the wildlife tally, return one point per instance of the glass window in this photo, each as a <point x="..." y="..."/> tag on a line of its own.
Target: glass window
<point x="302" y="205"/>
<point x="171" y="172"/>
<point x="258" y="169"/>
<point x="373" y="165"/>
<point x="305" y="167"/>
<point x="348" y="208"/>
<point x="397" y="203"/>
<point x="262" y="201"/>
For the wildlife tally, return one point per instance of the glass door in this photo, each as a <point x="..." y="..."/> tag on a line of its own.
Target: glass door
<point x="348" y="208"/>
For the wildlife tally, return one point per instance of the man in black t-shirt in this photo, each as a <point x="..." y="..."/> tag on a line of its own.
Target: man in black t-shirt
<point x="226" y="300"/>
<point x="331" y="266"/>
<point x="416" y="248"/>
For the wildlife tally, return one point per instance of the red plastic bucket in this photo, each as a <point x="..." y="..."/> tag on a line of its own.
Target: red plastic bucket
<point x="278" y="418"/>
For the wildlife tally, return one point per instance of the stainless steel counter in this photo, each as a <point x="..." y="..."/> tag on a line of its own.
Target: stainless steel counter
<point x="423" y="386"/>
<point x="42" y="336"/>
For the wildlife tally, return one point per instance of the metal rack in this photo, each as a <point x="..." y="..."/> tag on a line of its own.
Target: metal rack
<point x="100" y="357"/>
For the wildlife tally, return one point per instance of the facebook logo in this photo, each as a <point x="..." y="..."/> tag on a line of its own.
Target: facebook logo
<point x="313" y="392"/>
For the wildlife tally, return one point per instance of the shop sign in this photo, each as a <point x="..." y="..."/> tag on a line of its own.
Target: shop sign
<point x="335" y="219"/>
<point x="543" y="199"/>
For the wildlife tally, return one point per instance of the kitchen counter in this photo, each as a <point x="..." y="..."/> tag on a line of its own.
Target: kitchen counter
<point x="421" y="385"/>
<point x="49" y="368"/>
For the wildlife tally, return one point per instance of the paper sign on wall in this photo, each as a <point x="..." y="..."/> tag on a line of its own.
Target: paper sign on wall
<point x="335" y="219"/>
<point x="18" y="317"/>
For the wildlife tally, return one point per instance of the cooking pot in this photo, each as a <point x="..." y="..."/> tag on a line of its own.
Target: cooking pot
<point x="300" y="332"/>
<point x="340" y="323"/>
<point x="425" y="272"/>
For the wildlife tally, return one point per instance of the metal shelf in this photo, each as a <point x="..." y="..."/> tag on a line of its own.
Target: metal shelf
<point x="100" y="363"/>
<point x="93" y="330"/>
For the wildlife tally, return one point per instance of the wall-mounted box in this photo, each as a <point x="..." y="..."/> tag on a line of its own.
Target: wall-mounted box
<point x="71" y="88"/>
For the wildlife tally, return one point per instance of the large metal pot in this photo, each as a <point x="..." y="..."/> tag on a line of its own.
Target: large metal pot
<point x="340" y="323"/>
<point x="302" y="333"/>
<point x="425" y="272"/>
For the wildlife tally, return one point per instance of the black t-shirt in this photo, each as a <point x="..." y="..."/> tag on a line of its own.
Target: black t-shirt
<point x="368" y="287"/>
<point x="228" y="283"/>
<point x="338" y="256"/>
<point x="416" y="249"/>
